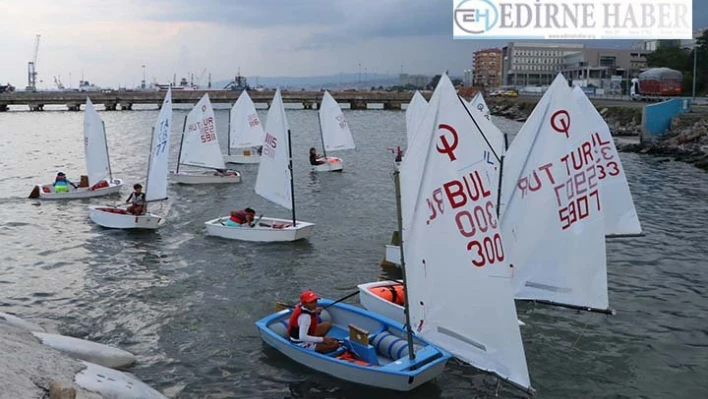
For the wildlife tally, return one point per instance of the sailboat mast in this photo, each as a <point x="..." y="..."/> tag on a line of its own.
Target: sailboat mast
<point x="399" y="217"/>
<point x="147" y="178"/>
<point x="292" y="182"/>
<point x="501" y="172"/>
<point x="105" y="141"/>
<point x="181" y="141"/>
<point x="228" y="143"/>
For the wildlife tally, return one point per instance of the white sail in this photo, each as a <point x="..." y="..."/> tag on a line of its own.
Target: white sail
<point x="335" y="129"/>
<point x="156" y="185"/>
<point x="245" y="129"/>
<point x="200" y="144"/>
<point x="553" y="222"/>
<point x="414" y="115"/>
<point x="95" y="146"/>
<point x="273" y="181"/>
<point x="495" y="136"/>
<point x="457" y="276"/>
<point x="616" y="202"/>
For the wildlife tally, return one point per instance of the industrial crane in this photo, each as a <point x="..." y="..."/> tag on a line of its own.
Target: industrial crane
<point x="31" y="72"/>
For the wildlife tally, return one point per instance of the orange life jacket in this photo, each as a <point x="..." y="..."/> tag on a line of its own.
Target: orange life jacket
<point x="294" y="327"/>
<point x="239" y="217"/>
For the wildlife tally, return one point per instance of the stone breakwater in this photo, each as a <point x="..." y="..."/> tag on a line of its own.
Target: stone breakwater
<point x="30" y="370"/>
<point x="687" y="141"/>
<point x="623" y="121"/>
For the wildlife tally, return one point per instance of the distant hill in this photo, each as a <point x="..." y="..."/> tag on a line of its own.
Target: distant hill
<point x="339" y="81"/>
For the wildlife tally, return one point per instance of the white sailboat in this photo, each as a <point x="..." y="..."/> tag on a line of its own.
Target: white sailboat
<point x="621" y="218"/>
<point x="98" y="165"/>
<point x="200" y="148"/>
<point x="335" y="133"/>
<point x="274" y="183"/>
<point x="458" y="280"/>
<point x="245" y="132"/>
<point x="553" y="221"/>
<point x="493" y="153"/>
<point x="155" y="186"/>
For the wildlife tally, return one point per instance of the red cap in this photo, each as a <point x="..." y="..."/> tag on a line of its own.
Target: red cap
<point x="308" y="296"/>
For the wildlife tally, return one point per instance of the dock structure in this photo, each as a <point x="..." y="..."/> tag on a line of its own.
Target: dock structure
<point x="124" y="100"/>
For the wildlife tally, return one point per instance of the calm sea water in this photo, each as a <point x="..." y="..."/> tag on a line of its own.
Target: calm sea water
<point x="186" y="303"/>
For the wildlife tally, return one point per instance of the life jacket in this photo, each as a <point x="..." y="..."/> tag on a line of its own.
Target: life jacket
<point x="239" y="217"/>
<point x="294" y="328"/>
<point x="61" y="183"/>
<point x="391" y="293"/>
<point x="138" y="199"/>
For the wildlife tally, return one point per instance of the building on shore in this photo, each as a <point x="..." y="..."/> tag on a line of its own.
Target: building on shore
<point x="537" y="64"/>
<point x="467" y="79"/>
<point x="419" y="81"/>
<point x="487" y="68"/>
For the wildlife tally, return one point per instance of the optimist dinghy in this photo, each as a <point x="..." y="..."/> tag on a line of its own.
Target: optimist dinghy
<point x="200" y="148"/>
<point x="245" y="132"/>
<point x="156" y="184"/>
<point x="100" y="180"/>
<point x="373" y="349"/>
<point x="274" y="183"/>
<point x="455" y="249"/>
<point x="335" y="134"/>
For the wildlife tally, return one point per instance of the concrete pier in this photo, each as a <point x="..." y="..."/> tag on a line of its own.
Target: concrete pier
<point x="125" y="99"/>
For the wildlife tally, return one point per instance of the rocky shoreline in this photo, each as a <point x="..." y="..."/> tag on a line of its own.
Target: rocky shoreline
<point x="686" y="142"/>
<point x="33" y="368"/>
<point x="623" y="121"/>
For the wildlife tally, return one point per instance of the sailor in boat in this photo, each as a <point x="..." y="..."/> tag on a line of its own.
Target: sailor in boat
<point x="137" y="200"/>
<point x="61" y="183"/>
<point x="399" y="154"/>
<point x="315" y="158"/>
<point x="224" y="172"/>
<point x="241" y="218"/>
<point x="305" y="329"/>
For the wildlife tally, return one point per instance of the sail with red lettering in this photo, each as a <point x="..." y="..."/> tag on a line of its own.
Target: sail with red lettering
<point x="620" y="215"/>
<point x="200" y="144"/>
<point x="457" y="276"/>
<point x="414" y="114"/>
<point x="245" y="128"/>
<point x="273" y="181"/>
<point x="553" y="222"/>
<point x="334" y="127"/>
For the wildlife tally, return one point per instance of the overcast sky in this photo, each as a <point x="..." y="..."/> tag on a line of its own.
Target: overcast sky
<point x="110" y="40"/>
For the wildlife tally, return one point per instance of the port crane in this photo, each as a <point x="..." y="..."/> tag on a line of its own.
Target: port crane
<point x="31" y="71"/>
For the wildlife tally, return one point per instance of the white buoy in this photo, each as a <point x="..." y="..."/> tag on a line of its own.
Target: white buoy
<point x="114" y="384"/>
<point x="93" y="352"/>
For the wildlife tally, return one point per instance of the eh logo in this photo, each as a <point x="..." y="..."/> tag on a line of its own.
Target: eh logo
<point x="475" y="16"/>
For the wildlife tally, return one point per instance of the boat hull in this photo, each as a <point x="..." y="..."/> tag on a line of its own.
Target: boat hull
<point x="118" y="218"/>
<point x="379" y="305"/>
<point x="204" y="178"/>
<point x="394" y="374"/>
<point x="263" y="232"/>
<point x="242" y="158"/>
<point x="46" y="191"/>
<point x="93" y="352"/>
<point x="111" y="383"/>
<point x="333" y="164"/>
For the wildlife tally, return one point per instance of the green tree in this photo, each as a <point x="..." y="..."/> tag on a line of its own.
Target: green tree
<point x="670" y="57"/>
<point x="434" y="82"/>
<point x="701" y="62"/>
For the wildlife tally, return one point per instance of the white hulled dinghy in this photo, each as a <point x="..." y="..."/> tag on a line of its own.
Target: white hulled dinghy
<point x="274" y="183"/>
<point x="621" y="218"/>
<point x="199" y="148"/>
<point x="156" y="184"/>
<point x="553" y="221"/>
<point x="335" y="134"/>
<point x="446" y="202"/>
<point x="245" y="132"/>
<point x="100" y="180"/>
